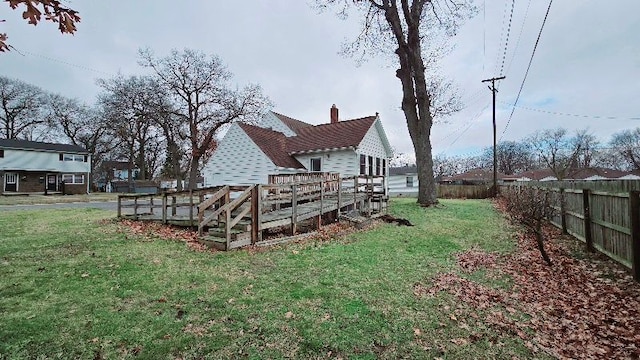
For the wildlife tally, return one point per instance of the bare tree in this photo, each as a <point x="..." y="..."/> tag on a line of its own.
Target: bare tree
<point x="513" y="157"/>
<point x="131" y="106"/>
<point x="53" y="11"/>
<point x="530" y="207"/>
<point x="203" y="99"/>
<point x="409" y="29"/>
<point x="81" y="125"/>
<point x="21" y="106"/>
<point x="626" y="145"/>
<point x="588" y="149"/>
<point x="558" y="151"/>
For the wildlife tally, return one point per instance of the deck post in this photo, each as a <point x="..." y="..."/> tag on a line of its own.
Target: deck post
<point x="294" y="210"/>
<point x="164" y="208"/>
<point x="227" y="228"/>
<point x="339" y="196"/>
<point x="191" y="207"/>
<point x="135" y="208"/>
<point x="355" y="192"/>
<point x="119" y="206"/>
<point x="256" y="212"/>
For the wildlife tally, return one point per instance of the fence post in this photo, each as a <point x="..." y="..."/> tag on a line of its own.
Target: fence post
<point x="563" y="215"/>
<point x="588" y="238"/>
<point x="119" y="206"/>
<point x="634" y="214"/>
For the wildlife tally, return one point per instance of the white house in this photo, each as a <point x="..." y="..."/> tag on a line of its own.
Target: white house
<point x="39" y="167"/>
<point x="248" y="154"/>
<point x="403" y="181"/>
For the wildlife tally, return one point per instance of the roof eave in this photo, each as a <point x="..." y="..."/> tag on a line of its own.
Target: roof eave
<point x="322" y="150"/>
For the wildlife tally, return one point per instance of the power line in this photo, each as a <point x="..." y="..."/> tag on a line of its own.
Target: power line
<point x="506" y="42"/>
<point x="528" y="68"/>
<point x="502" y="34"/>
<point x="604" y="117"/>
<point x="64" y="62"/>
<point x="515" y="50"/>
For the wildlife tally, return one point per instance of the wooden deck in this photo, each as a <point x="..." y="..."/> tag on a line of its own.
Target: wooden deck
<point x="233" y="216"/>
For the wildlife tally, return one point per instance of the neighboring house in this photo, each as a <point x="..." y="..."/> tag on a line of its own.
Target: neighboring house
<point x="114" y="171"/>
<point x="473" y="177"/>
<point x="38" y="167"/>
<point x="588" y="174"/>
<point x="248" y="154"/>
<point x="403" y="180"/>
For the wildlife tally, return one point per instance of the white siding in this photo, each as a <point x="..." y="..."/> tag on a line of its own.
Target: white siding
<point x="33" y="160"/>
<point x="372" y="144"/>
<point x="398" y="185"/>
<point x="345" y="162"/>
<point x="270" y="121"/>
<point x="237" y="161"/>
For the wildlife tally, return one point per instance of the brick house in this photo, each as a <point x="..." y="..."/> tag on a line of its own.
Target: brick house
<point x="39" y="167"/>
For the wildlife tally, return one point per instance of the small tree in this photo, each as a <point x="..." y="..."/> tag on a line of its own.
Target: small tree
<point x="530" y="207"/>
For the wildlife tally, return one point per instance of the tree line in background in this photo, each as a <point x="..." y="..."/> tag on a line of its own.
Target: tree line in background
<point x="163" y="124"/>
<point x="554" y="149"/>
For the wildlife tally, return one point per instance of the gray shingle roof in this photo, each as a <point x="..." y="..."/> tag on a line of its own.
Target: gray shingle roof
<point x="35" y="145"/>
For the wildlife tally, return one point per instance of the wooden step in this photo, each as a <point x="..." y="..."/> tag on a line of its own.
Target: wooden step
<point x="235" y="234"/>
<point x="221" y="243"/>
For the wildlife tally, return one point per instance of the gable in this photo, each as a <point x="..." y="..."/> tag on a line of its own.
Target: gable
<point x="273" y="122"/>
<point x="237" y="160"/>
<point x="375" y="143"/>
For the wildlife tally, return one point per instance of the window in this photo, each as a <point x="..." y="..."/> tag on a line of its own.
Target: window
<point x="370" y="163"/>
<point x="73" y="178"/>
<point x="378" y="166"/>
<point x="11" y="178"/>
<point x="72" y="157"/>
<point x="1" y="153"/>
<point x="384" y="167"/>
<point x="315" y="164"/>
<point x="363" y="165"/>
<point x="409" y="181"/>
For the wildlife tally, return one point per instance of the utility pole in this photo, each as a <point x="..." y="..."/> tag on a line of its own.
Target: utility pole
<point x="495" y="154"/>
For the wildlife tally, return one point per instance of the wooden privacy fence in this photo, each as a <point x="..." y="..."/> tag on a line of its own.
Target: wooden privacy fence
<point x="463" y="191"/>
<point x="607" y="221"/>
<point x="232" y="216"/>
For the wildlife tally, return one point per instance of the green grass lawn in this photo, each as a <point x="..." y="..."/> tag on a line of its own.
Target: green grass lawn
<point x="72" y="286"/>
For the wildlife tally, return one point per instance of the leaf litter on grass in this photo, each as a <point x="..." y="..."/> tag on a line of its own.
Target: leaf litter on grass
<point x="567" y="309"/>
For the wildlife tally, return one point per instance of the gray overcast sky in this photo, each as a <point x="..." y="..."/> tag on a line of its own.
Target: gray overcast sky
<point x="587" y="62"/>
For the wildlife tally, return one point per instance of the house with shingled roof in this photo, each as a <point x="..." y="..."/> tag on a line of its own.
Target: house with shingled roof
<point x="279" y="144"/>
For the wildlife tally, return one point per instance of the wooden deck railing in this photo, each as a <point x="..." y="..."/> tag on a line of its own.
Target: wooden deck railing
<point x="260" y="206"/>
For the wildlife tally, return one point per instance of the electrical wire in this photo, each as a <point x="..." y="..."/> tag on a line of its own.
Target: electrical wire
<point x="528" y="68"/>
<point x="515" y="50"/>
<point x="604" y="117"/>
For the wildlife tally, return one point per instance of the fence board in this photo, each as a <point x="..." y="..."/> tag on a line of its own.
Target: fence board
<point x="596" y="212"/>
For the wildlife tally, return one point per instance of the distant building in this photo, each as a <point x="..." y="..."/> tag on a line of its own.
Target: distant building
<point x="40" y="167"/>
<point x="403" y="181"/>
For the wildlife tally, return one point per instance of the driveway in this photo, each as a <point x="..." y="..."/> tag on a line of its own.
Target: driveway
<point x="103" y="205"/>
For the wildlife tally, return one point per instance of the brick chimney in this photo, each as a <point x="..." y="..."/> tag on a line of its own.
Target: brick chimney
<point x="334" y="114"/>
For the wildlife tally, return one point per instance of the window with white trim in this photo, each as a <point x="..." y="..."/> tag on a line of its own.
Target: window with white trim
<point x="409" y="181"/>
<point x="73" y="178"/>
<point x="73" y="157"/>
<point x="315" y="164"/>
